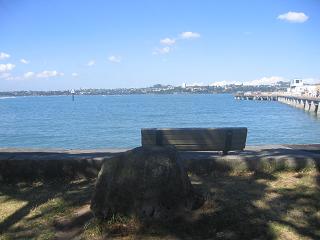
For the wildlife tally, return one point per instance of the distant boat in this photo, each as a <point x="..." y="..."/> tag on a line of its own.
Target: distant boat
<point x="6" y="97"/>
<point x="72" y="92"/>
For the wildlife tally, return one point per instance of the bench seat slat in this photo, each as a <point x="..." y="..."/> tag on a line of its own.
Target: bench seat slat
<point x="200" y="147"/>
<point x="193" y="141"/>
<point x="214" y="139"/>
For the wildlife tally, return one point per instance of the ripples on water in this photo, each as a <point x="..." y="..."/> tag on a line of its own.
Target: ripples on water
<point x="115" y="121"/>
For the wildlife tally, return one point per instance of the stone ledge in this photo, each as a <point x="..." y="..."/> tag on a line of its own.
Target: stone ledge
<point x="34" y="164"/>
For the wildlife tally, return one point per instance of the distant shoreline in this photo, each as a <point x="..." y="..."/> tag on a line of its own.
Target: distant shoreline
<point x="155" y="90"/>
<point x="132" y="94"/>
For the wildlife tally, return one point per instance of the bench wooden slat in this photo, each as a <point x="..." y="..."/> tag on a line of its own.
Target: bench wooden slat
<point x="196" y="138"/>
<point x="237" y="145"/>
<point x="214" y="139"/>
<point x="183" y="141"/>
<point x="198" y="147"/>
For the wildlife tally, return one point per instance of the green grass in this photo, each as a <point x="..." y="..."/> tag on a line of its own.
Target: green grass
<point x="29" y="211"/>
<point x="248" y="205"/>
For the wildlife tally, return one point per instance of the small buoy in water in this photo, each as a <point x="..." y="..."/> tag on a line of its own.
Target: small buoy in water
<point x="72" y="92"/>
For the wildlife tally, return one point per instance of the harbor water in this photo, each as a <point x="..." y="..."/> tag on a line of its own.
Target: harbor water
<point x="93" y="122"/>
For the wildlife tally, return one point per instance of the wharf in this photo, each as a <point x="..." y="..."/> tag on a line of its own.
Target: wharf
<point x="256" y="96"/>
<point x="308" y="103"/>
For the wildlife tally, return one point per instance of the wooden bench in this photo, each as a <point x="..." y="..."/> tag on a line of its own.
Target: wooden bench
<point x="196" y="139"/>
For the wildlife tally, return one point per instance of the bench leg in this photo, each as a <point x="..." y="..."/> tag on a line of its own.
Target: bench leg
<point x="225" y="152"/>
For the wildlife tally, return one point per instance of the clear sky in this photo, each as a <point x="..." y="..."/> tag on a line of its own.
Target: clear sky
<point x="64" y="44"/>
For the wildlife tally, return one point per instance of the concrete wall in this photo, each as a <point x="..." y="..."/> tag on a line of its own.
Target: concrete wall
<point x="31" y="165"/>
<point x="34" y="166"/>
<point x="32" y="170"/>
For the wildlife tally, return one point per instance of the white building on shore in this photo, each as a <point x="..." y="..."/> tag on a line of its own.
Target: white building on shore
<point x="298" y="87"/>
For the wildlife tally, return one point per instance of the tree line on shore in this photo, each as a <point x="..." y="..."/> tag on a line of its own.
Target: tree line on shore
<point x="155" y="89"/>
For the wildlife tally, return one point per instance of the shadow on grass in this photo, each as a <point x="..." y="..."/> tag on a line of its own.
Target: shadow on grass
<point x="245" y="206"/>
<point x="63" y="196"/>
<point x="238" y="205"/>
<point x="228" y="213"/>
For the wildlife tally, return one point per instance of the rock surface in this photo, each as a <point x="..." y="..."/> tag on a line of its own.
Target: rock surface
<point x="147" y="182"/>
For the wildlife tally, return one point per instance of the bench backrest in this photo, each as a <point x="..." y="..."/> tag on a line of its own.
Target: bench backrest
<point x="196" y="139"/>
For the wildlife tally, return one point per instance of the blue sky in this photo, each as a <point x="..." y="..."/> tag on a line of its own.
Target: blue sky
<point x="109" y="44"/>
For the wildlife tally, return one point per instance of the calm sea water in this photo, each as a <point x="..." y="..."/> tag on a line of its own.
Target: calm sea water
<point x="115" y="121"/>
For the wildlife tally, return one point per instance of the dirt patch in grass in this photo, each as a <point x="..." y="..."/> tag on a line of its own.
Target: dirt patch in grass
<point x="284" y="205"/>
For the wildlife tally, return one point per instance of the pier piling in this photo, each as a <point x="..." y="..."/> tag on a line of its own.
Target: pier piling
<point x="308" y="104"/>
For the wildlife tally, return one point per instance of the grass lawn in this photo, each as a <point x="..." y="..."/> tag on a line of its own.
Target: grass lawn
<point x="283" y="205"/>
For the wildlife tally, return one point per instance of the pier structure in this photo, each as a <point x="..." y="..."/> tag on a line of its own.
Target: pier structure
<point x="257" y="96"/>
<point x="309" y="104"/>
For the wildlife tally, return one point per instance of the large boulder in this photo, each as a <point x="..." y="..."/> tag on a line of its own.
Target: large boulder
<point x="147" y="182"/>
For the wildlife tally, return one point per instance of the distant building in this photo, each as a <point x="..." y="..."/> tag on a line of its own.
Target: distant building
<point x="184" y="85"/>
<point x="318" y="90"/>
<point x="298" y="87"/>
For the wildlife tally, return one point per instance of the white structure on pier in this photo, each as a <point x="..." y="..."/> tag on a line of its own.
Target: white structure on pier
<point x="298" y="87"/>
